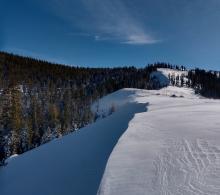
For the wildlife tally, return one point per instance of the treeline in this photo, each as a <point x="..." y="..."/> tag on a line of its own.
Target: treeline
<point x="41" y="101"/>
<point x="167" y="65"/>
<point x="206" y="83"/>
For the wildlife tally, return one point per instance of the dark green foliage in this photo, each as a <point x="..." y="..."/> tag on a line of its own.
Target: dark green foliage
<point x="16" y="121"/>
<point x="207" y="83"/>
<point x="2" y="148"/>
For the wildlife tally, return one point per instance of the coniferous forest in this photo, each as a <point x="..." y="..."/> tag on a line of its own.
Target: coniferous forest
<point x="41" y="101"/>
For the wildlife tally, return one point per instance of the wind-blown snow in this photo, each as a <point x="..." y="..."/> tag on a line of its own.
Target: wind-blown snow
<point x="157" y="142"/>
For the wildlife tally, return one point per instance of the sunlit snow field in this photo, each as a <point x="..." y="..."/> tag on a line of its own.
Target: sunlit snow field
<point x="173" y="148"/>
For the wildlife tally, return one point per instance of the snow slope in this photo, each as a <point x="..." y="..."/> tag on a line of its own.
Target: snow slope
<point x="173" y="148"/>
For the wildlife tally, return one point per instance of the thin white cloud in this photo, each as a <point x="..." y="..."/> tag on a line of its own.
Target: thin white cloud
<point x="138" y="39"/>
<point x="114" y="20"/>
<point x="105" y="20"/>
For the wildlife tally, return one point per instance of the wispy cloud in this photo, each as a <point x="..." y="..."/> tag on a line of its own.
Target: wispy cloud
<point x="106" y="20"/>
<point x="113" y="19"/>
<point x="140" y="39"/>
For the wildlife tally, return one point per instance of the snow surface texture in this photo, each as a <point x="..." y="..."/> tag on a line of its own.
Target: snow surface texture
<point x="173" y="148"/>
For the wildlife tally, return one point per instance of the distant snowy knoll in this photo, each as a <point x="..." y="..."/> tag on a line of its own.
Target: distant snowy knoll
<point x="75" y="163"/>
<point x="163" y="77"/>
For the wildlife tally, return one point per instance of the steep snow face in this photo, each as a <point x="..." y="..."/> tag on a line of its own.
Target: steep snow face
<point x="173" y="148"/>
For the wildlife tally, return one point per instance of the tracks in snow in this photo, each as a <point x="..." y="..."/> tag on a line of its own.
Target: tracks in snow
<point x="188" y="168"/>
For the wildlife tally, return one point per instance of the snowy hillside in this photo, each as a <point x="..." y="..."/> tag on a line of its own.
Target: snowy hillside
<point x="156" y="142"/>
<point x="165" y="77"/>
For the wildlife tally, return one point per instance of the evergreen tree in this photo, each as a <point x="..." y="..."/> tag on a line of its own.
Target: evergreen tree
<point x="16" y="121"/>
<point x="66" y="114"/>
<point x="30" y="132"/>
<point x="2" y="148"/>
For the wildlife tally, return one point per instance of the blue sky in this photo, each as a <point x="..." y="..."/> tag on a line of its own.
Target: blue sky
<point x="113" y="32"/>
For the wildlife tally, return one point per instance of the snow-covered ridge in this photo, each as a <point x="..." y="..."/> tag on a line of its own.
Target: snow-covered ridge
<point x="121" y="97"/>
